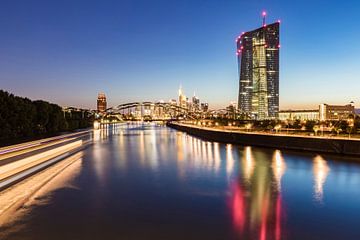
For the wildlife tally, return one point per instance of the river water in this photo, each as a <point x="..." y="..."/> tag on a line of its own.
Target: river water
<point x="147" y="181"/>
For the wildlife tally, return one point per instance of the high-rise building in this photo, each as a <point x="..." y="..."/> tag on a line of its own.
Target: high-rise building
<point x="204" y="107"/>
<point x="182" y="99"/>
<point x="258" y="62"/>
<point x="101" y="103"/>
<point x="195" y="103"/>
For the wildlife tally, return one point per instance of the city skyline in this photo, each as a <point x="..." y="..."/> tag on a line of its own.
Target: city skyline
<point x="91" y="48"/>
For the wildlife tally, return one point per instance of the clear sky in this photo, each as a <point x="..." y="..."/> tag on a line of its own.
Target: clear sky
<point x="67" y="51"/>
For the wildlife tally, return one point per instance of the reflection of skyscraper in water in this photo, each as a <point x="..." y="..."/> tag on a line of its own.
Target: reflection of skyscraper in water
<point x="255" y="204"/>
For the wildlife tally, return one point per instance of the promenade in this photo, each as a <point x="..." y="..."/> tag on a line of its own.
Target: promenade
<point x="323" y="144"/>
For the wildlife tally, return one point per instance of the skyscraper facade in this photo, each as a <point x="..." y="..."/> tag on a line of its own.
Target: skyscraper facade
<point x="258" y="62"/>
<point x="101" y="103"/>
<point x="182" y="99"/>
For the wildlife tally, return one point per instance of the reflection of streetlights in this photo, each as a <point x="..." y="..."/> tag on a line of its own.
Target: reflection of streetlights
<point x="351" y="125"/>
<point x="96" y="125"/>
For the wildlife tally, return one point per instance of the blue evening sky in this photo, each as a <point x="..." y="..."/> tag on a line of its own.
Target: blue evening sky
<point x="67" y="51"/>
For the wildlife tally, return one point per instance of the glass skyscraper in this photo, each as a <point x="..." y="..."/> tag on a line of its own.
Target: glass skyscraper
<point x="258" y="61"/>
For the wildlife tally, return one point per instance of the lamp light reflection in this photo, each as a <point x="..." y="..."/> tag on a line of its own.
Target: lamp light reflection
<point x="248" y="164"/>
<point x="279" y="167"/>
<point x="321" y="171"/>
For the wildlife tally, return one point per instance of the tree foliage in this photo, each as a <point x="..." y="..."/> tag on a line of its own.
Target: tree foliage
<point x="23" y="118"/>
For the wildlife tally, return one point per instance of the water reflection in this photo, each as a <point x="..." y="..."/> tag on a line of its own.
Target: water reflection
<point x="217" y="157"/>
<point x="18" y="201"/>
<point x="248" y="164"/>
<point x="171" y="185"/>
<point x="321" y="171"/>
<point x="279" y="167"/>
<point x="229" y="159"/>
<point x="193" y="153"/>
<point x="256" y="205"/>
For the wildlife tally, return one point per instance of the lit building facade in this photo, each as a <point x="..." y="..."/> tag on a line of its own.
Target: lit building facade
<point x="303" y="115"/>
<point x="101" y="103"/>
<point x="195" y="103"/>
<point x="335" y="112"/>
<point x="258" y="63"/>
<point x="204" y="107"/>
<point x="182" y="99"/>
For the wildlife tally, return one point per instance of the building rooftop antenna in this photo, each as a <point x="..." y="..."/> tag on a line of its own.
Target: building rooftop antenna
<point x="264" y="18"/>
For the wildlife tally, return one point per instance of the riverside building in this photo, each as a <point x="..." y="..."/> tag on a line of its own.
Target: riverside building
<point x="335" y="112"/>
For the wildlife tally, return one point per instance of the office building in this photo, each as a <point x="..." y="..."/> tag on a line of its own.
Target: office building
<point x="335" y="112"/>
<point x="182" y="99"/>
<point x="101" y="103"/>
<point x="303" y="115"/>
<point x="258" y="63"/>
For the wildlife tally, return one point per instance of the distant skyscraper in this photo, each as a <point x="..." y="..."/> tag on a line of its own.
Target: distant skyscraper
<point x="204" y="107"/>
<point x="258" y="61"/>
<point x="182" y="99"/>
<point x="101" y="103"/>
<point x="195" y="103"/>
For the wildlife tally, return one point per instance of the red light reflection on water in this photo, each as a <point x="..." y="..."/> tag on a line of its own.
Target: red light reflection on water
<point x="256" y="205"/>
<point x="238" y="205"/>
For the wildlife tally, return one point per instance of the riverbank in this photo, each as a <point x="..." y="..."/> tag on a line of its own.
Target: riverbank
<point x="292" y="142"/>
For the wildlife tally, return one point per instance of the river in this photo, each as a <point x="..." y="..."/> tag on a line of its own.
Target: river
<point x="147" y="181"/>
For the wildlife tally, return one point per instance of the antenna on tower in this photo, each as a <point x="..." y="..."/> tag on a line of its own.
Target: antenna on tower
<point x="264" y="18"/>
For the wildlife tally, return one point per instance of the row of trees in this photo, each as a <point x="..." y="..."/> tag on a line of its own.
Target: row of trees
<point x="23" y="118"/>
<point x="335" y="127"/>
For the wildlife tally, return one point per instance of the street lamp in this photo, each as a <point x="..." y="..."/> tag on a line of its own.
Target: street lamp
<point x="351" y="125"/>
<point x="277" y="128"/>
<point x="316" y="129"/>
<point x="248" y="126"/>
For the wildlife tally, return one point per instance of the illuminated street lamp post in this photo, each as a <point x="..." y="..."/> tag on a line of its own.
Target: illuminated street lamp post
<point x="351" y="125"/>
<point x="248" y="126"/>
<point x="316" y="129"/>
<point x="287" y="126"/>
<point x="277" y="128"/>
<point x="322" y="129"/>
